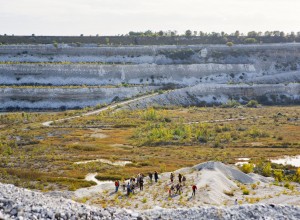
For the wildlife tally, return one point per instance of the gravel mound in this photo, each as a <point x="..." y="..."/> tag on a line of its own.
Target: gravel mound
<point x="18" y="203"/>
<point x="21" y="204"/>
<point x="232" y="173"/>
<point x="235" y="212"/>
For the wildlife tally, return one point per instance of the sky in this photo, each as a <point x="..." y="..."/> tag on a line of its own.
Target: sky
<point x="113" y="17"/>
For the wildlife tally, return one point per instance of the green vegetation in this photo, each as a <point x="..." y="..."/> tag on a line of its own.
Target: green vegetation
<point x="162" y="139"/>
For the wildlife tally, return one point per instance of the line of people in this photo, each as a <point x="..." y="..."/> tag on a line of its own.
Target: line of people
<point x="134" y="183"/>
<point x="138" y="182"/>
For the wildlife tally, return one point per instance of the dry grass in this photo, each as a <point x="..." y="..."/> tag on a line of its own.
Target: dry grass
<point x="25" y="145"/>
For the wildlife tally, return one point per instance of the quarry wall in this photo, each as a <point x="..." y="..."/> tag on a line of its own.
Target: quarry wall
<point x="207" y="71"/>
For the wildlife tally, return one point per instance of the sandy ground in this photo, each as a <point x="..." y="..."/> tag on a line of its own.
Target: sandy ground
<point x="218" y="184"/>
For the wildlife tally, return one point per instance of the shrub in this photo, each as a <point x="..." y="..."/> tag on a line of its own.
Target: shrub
<point x="229" y="44"/>
<point x="252" y="104"/>
<point x="247" y="168"/>
<point x="267" y="170"/>
<point x="253" y="186"/>
<point x="228" y="193"/>
<point x="278" y="175"/>
<point x="246" y="192"/>
<point x="250" y="41"/>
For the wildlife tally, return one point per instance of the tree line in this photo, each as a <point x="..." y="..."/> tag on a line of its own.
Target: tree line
<point x="222" y="37"/>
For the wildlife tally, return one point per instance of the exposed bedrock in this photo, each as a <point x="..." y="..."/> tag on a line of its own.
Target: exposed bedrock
<point x="215" y="94"/>
<point x="42" y="98"/>
<point x="76" y="74"/>
<point x="283" y="56"/>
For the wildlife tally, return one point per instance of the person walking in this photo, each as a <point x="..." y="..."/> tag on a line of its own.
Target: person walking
<point x="128" y="189"/>
<point x="150" y="177"/>
<point x="141" y="184"/>
<point x="124" y="185"/>
<point x="179" y="177"/>
<point x="170" y="192"/>
<point x="171" y="177"/>
<point x="117" y="184"/>
<point x="155" y="176"/>
<point x="194" y="188"/>
<point x="183" y="180"/>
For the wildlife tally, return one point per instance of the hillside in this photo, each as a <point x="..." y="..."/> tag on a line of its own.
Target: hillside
<point x="271" y="71"/>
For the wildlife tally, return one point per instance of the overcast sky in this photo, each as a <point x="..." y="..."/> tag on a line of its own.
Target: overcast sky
<point x="112" y="17"/>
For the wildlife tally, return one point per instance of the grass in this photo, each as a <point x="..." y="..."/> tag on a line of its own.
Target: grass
<point x="153" y="139"/>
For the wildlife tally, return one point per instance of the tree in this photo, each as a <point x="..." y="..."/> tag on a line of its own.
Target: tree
<point x="188" y="33"/>
<point x="237" y="33"/>
<point x="252" y="34"/>
<point x="161" y="33"/>
<point x="250" y="41"/>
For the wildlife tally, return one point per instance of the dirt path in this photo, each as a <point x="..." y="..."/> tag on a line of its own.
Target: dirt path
<point x="112" y="106"/>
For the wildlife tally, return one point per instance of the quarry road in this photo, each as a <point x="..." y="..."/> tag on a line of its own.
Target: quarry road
<point x="111" y="106"/>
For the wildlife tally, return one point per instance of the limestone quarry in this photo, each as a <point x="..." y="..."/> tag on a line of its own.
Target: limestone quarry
<point x="52" y="77"/>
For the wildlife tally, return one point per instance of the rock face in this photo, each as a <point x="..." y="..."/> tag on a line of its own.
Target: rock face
<point x="206" y="69"/>
<point x="215" y="94"/>
<point x="17" y="203"/>
<point x="65" y="98"/>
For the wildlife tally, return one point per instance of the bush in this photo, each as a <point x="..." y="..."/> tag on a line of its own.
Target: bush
<point x="278" y="175"/>
<point x="250" y="41"/>
<point x="252" y="104"/>
<point x="228" y="193"/>
<point x="231" y="104"/>
<point x="247" y="168"/>
<point x="229" y="44"/>
<point x="267" y="170"/>
<point x="246" y="192"/>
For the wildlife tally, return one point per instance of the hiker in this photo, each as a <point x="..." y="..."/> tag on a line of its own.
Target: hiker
<point x="172" y="188"/>
<point x="124" y="185"/>
<point x="183" y="180"/>
<point x="155" y="176"/>
<point x="150" y="176"/>
<point x="132" y="188"/>
<point x="179" y="177"/>
<point x="194" y="188"/>
<point x="128" y="189"/>
<point x="170" y="192"/>
<point x="178" y="188"/>
<point x="235" y="202"/>
<point x="172" y="177"/>
<point x="141" y="184"/>
<point x="117" y="184"/>
<point x="138" y="180"/>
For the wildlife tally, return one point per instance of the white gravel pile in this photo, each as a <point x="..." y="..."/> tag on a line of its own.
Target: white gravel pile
<point x="228" y="171"/>
<point x="17" y="203"/>
<point x="235" y="212"/>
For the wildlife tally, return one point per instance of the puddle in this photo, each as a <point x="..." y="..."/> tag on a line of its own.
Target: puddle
<point x="121" y="163"/>
<point x="99" y="135"/>
<point x="92" y="177"/>
<point x="241" y="161"/>
<point x="288" y="160"/>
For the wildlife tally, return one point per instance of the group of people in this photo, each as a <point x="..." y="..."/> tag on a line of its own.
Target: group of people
<point x="177" y="189"/>
<point x="134" y="183"/>
<point x="138" y="182"/>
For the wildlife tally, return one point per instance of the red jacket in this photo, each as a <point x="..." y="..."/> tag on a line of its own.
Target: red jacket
<point x="194" y="187"/>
